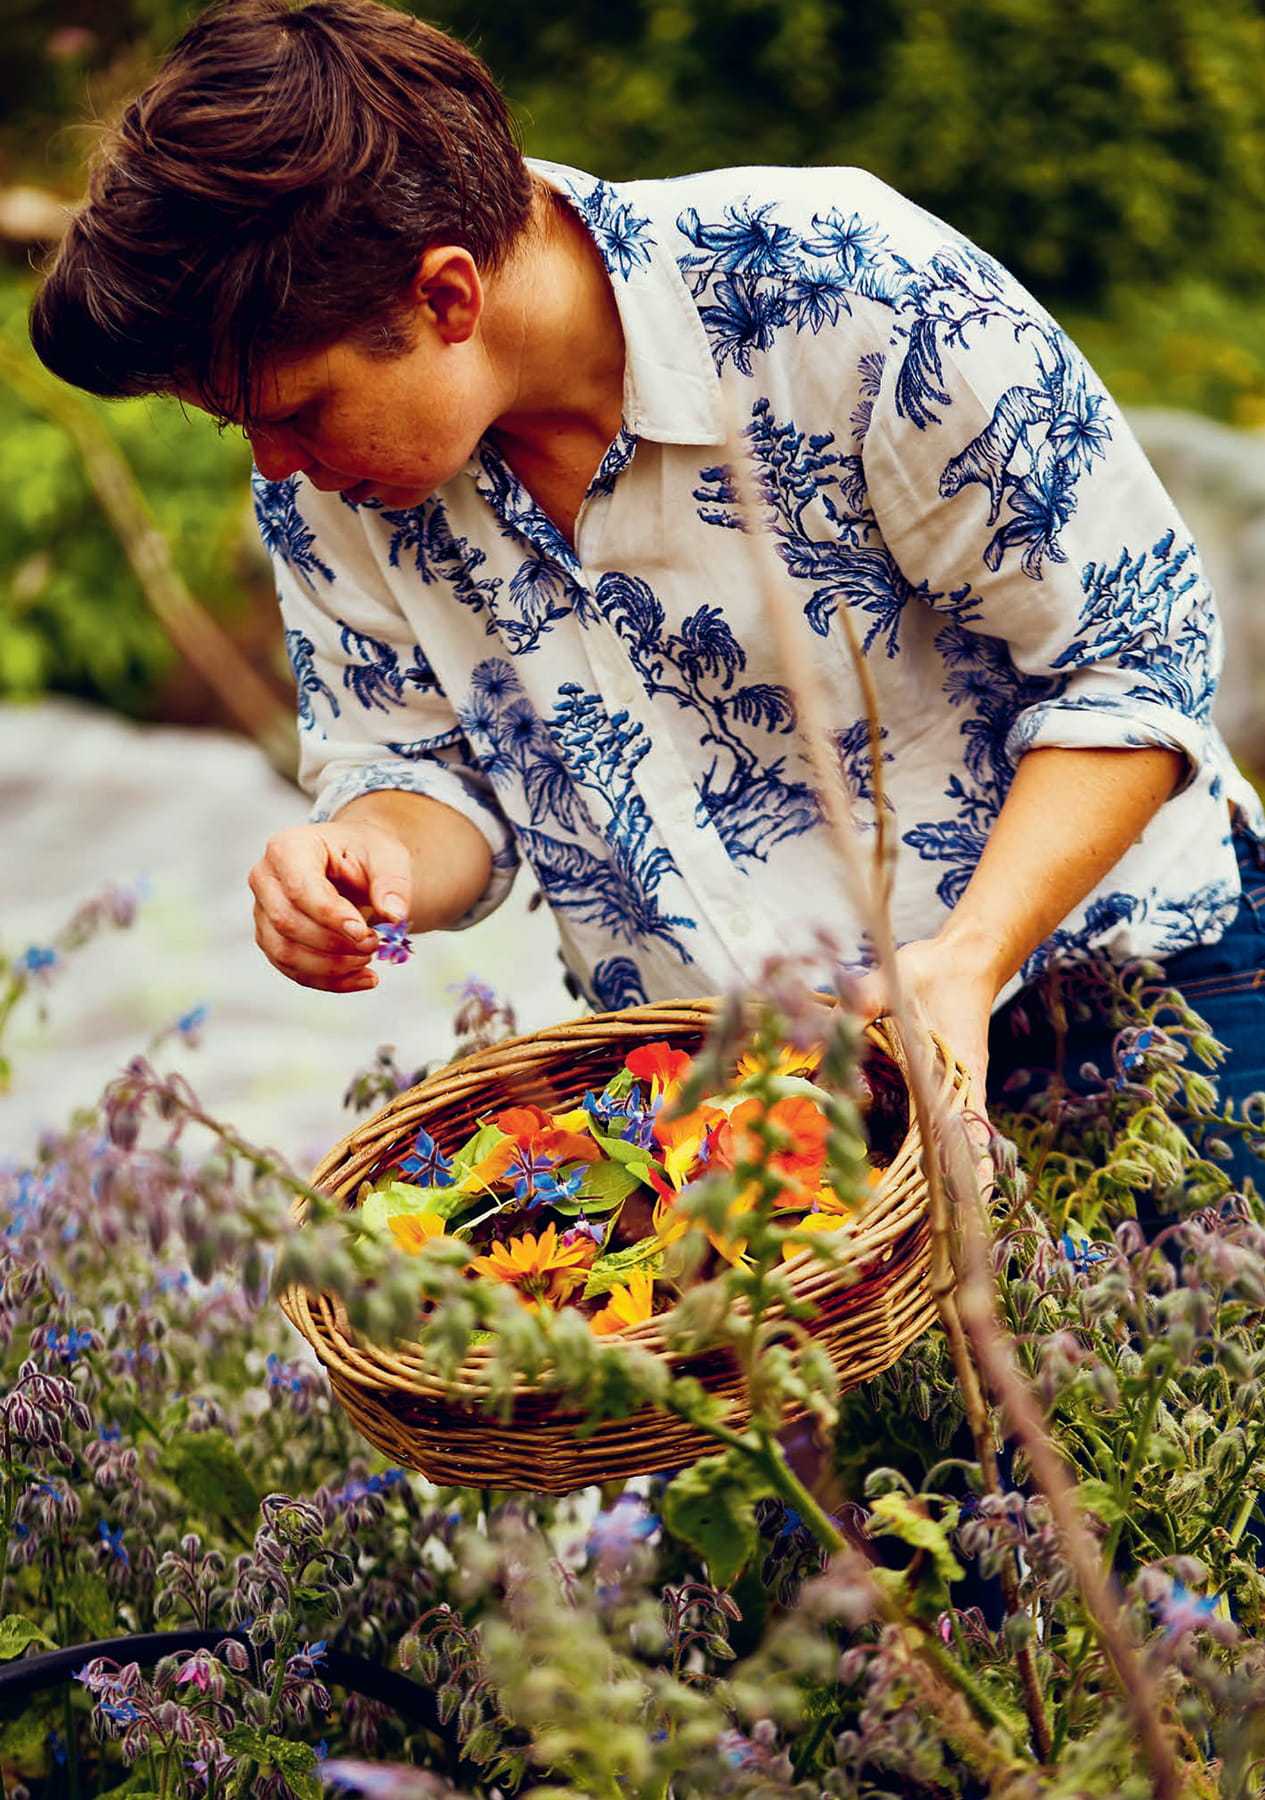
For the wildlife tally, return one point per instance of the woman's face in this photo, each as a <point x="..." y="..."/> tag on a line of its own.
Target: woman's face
<point x="389" y="427"/>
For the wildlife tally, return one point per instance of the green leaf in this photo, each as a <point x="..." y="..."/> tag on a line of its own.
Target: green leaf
<point x="604" y="1186"/>
<point x="618" y="1151"/>
<point x="609" y="1271"/>
<point x="402" y="1197"/>
<point x="297" y="1762"/>
<point x="209" y="1473"/>
<point x="1100" y="1498"/>
<point x="244" y="1740"/>
<point x="473" y="1151"/>
<point x="89" y="1597"/>
<point x="24" y="1741"/>
<point x="620" y="1083"/>
<point x="896" y="1515"/>
<point x="17" y="1633"/>
<point x="711" y="1506"/>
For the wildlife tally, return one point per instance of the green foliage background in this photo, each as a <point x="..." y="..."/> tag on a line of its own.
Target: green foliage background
<point x="1112" y="152"/>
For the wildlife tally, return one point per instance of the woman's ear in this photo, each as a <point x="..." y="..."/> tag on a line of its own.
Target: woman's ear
<point x="448" y="290"/>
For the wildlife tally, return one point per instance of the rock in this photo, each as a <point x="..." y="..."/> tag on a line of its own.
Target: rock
<point x="1216" y="475"/>
<point x="87" y="799"/>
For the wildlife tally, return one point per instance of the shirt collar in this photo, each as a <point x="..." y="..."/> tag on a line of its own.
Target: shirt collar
<point x="672" y="393"/>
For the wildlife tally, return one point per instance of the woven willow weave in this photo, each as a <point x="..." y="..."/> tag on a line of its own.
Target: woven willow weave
<point x="864" y="1319"/>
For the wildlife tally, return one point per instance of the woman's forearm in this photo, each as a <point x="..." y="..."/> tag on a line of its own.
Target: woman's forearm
<point x="449" y="857"/>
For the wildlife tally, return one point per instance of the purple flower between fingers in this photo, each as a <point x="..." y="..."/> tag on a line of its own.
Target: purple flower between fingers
<point x="393" y="940"/>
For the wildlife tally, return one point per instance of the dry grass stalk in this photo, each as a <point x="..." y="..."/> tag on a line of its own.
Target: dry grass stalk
<point x="964" y="1294"/>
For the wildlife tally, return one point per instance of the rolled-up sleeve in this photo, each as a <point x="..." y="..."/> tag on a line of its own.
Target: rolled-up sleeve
<point x="372" y="713"/>
<point x="1017" y="502"/>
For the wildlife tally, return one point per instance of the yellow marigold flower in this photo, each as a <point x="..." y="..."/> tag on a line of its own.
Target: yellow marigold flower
<point x="626" y="1305"/>
<point x="813" y="1221"/>
<point x="544" y="1271"/>
<point x="788" y="1062"/>
<point x="413" y="1231"/>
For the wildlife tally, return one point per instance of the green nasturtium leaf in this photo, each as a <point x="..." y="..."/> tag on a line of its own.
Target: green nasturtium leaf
<point x="711" y="1506"/>
<point x="396" y="1198"/>
<point x="603" y="1187"/>
<point x="209" y="1473"/>
<point x="18" y="1634"/>
<point x="473" y="1151"/>
<point x="613" y="1270"/>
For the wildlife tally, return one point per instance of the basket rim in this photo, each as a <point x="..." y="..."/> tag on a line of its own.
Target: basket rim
<point x="898" y="1230"/>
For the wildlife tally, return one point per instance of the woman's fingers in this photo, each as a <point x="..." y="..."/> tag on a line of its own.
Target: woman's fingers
<point x="308" y="887"/>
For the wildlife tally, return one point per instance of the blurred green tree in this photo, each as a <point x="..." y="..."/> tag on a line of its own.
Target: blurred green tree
<point x="1090" y="144"/>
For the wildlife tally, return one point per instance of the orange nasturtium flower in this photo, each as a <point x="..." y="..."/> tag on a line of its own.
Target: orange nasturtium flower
<point x="799" y="1162"/>
<point x="659" y="1064"/>
<point x="413" y="1231"/>
<point x="632" y="1304"/>
<point x="682" y="1139"/>
<point x="531" y="1133"/>
<point x="544" y="1271"/>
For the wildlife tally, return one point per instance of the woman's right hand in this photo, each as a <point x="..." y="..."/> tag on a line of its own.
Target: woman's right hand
<point x="314" y="887"/>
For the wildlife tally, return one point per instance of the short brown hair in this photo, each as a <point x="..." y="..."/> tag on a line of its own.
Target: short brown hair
<point x="272" y="190"/>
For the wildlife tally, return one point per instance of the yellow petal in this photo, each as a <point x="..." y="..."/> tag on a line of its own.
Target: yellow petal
<point x="412" y="1231"/>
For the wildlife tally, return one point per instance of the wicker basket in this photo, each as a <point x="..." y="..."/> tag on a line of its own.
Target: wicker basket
<point x="419" y="1421"/>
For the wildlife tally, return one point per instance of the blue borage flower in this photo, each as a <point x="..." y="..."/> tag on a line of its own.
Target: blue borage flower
<point x="112" y="1537"/>
<point x="371" y="1484"/>
<point x="72" y="1347"/>
<point x="614" y="1534"/>
<point x="1081" y="1253"/>
<point x="189" y="1024"/>
<point x="394" y="945"/>
<point x="624" y="1116"/>
<point x="1180" y="1611"/>
<point x="426" y="1162"/>
<point x="736" y="1749"/>
<point x="37" y="959"/>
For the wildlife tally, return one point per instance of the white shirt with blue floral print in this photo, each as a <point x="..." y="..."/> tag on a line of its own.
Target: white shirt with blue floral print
<point x="937" y="461"/>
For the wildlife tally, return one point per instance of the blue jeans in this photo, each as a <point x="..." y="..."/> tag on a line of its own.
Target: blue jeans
<point x="1223" y="982"/>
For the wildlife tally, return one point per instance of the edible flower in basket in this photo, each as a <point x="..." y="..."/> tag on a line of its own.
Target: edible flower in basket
<point x="582" y="1207"/>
